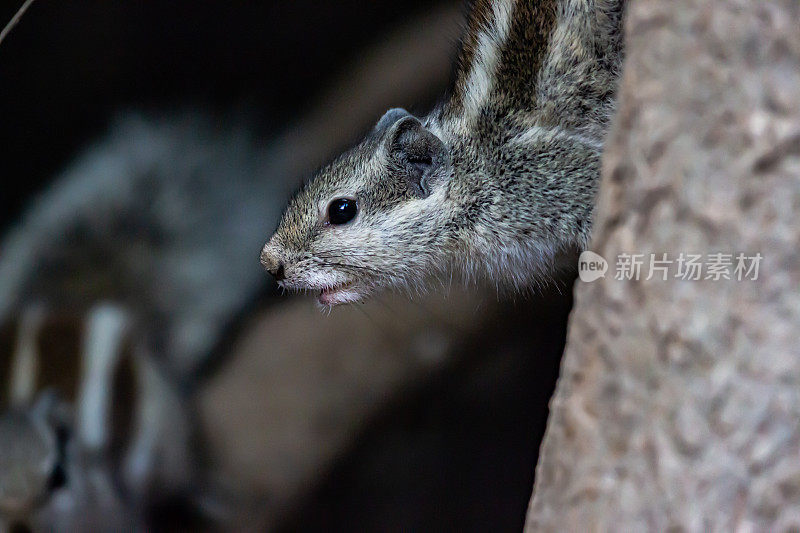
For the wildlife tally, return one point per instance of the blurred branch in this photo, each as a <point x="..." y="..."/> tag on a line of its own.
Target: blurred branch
<point x="13" y="22"/>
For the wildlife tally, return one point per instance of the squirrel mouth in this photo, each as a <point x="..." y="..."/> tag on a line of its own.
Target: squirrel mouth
<point x="338" y="294"/>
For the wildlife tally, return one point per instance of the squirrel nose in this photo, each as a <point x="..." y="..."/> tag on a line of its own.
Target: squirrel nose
<point x="272" y="264"/>
<point x="278" y="273"/>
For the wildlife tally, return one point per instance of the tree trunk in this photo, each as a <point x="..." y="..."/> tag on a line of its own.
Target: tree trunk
<point x="678" y="404"/>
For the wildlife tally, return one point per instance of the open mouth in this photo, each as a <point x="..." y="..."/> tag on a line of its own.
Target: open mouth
<point x="339" y="294"/>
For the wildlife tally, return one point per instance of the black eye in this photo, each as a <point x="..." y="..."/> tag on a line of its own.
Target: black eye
<point x="342" y="211"/>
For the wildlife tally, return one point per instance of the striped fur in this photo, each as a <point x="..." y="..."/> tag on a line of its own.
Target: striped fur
<point x="91" y="454"/>
<point x="496" y="182"/>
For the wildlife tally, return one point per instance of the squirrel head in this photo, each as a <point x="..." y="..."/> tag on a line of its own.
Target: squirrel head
<point x="367" y="221"/>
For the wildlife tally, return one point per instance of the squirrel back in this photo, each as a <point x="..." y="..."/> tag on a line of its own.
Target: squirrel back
<point x="550" y="62"/>
<point x="495" y="182"/>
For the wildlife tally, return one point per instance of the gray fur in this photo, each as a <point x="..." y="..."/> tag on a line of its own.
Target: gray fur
<point x="162" y="217"/>
<point x="510" y="163"/>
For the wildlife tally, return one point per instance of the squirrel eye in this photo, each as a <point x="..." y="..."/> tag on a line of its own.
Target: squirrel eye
<point x="342" y="211"/>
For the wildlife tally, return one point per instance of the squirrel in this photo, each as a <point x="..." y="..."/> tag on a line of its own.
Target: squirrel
<point x="137" y="246"/>
<point x="497" y="181"/>
<point x="94" y="461"/>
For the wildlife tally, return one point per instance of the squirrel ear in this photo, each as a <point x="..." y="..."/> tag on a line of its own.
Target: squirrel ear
<point x="420" y="153"/>
<point x="390" y="117"/>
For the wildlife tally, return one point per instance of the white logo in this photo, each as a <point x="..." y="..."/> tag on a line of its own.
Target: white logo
<point x="591" y="266"/>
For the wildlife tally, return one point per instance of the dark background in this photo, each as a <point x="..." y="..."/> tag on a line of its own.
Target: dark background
<point x="69" y="66"/>
<point x="467" y="435"/>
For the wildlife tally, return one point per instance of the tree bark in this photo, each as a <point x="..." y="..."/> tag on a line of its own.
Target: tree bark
<point x="678" y="404"/>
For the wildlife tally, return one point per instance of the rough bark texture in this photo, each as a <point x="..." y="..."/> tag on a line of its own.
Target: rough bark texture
<point x="679" y="401"/>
